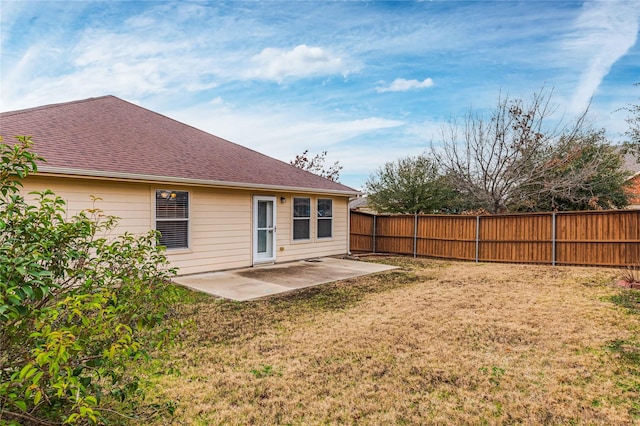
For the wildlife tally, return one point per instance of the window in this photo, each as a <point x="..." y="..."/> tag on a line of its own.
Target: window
<point x="172" y="218"/>
<point x="325" y="218"/>
<point x="301" y="218"/>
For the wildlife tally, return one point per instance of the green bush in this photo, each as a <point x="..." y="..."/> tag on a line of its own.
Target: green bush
<point x="76" y="307"/>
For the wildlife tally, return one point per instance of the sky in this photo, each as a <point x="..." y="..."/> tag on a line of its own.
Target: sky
<point x="367" y="81"/>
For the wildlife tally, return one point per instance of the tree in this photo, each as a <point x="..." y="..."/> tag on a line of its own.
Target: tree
<point x="410" y="185"/>
<point x="517" y="160"/>
<point x="586" y="174"/>
<point x="75" y="307"/>
<point x="633" y="144"/>
<point x="316" y="165"/>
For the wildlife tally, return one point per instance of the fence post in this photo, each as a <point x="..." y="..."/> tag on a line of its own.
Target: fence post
<point x="374" y="233"/>
<point x="477" y="238"/>
<point x="415" y="236"/>
<point x="553" y="239"/>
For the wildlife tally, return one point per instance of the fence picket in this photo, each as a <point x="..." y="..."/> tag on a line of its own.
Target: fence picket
<point x="603" y="238"/>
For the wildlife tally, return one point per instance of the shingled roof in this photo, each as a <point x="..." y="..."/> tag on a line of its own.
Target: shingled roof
<point x="112" y="138"/>
<point x="631" y="164"/>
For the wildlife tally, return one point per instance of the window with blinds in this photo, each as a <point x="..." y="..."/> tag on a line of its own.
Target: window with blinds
<point x="325" y="218"/>
<point x="301" y="218"/>
<point x="172" y="218"/>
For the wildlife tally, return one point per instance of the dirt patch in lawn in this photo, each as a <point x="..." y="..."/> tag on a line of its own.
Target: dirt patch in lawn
<point x="436" y="342"/>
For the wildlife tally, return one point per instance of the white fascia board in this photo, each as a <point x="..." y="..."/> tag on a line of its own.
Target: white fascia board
<point x="133" y="177"/>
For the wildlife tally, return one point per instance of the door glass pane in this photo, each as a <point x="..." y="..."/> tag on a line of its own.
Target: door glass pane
<point x="264" y="229"/>
<point x="262" y="241"/>
<point x="262" y="214"/>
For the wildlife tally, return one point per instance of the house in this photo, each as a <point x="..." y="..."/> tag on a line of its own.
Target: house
<point x="632" y="165"/>
<point x="217" y="205"/>
<point x="361" y="204"/>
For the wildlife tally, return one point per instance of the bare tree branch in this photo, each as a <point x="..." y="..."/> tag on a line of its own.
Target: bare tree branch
<point x="516" y="160"/>
<point x="316" y="165"/>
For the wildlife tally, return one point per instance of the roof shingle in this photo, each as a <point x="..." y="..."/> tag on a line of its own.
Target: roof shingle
<point x="108" y="136"/>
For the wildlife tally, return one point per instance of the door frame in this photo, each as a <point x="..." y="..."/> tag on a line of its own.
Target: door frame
<point x="254" y="230"/>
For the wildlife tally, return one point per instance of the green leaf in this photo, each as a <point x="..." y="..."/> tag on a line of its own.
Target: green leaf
<point x="39" y="292"/>
<point x="14" y="299"/>
<point x="27" y="371"/>
<point x="28" y="291"/>
<point x="21" y="405"/>
<point x="37" y="377"/>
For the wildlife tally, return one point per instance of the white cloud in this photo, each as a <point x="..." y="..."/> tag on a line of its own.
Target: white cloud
<point x="217" y="58"/>
<point x="283" y="134"/>
<point x="402" y="85"/>
<point x="603" y="33"/>
<point x="426" y="132"/>
<point x="301" y="61"/>
<point x="125" y="65"/>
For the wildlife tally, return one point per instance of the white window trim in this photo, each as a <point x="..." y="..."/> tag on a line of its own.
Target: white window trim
<point x="293" y="216"/>
<point x="273" y="199"/>
<point x="187" y="219"/>
<point x="318" y="218"/>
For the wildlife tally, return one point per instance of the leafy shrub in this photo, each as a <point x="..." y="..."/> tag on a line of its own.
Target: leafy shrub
<point x="75" y="307"/>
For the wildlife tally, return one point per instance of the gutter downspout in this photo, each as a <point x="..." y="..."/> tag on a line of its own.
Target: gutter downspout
<point x="348" y="229"/>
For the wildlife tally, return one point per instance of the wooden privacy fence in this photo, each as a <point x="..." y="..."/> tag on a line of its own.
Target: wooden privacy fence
<point x="609" y="238"/>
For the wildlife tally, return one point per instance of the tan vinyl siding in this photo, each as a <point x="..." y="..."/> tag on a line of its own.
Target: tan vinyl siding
<point x="130" y="202"/>
<point x="314" y="247"/>
<point x="220" y="231"/>
<point x="220" y="220"/>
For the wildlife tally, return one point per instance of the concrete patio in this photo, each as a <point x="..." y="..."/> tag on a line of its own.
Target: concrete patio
<point x="260" y="281"/>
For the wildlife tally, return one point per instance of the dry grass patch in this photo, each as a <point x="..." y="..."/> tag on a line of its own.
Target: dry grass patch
<point x="436" y="342"/>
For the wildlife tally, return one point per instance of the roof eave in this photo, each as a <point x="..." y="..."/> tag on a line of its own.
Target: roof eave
<point x="133" y="177"/>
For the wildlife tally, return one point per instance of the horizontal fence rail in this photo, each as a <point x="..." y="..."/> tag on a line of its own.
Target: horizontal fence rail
<point x="598" y="238"/>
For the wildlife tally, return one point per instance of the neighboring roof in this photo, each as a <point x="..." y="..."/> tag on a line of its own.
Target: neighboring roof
<point x="630" y="163"/>
<point x="112" y="138"/>
<point x="359" y="202"/>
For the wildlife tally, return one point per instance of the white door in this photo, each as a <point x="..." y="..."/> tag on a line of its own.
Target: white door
<point x="264" y="226"/>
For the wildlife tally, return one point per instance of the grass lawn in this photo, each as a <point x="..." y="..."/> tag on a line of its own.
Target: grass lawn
<point x="435" y="342"/>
